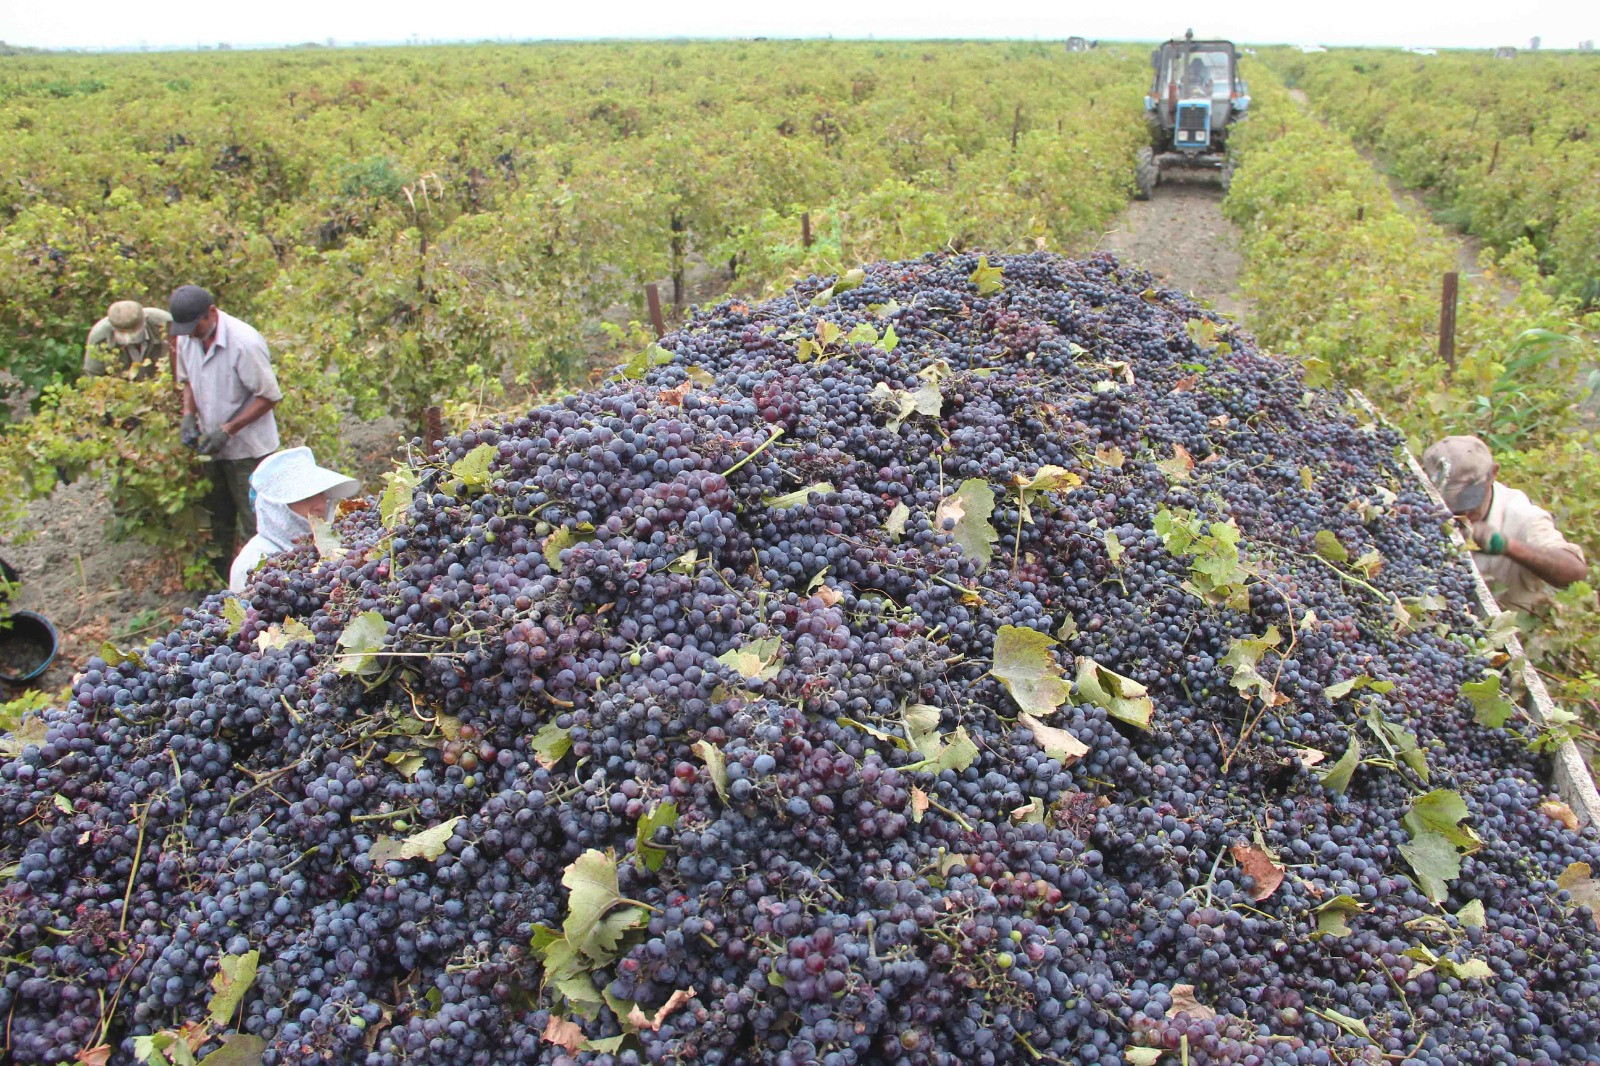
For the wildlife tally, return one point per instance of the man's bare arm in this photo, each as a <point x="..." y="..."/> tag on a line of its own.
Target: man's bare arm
<point x="1556" y="564"/>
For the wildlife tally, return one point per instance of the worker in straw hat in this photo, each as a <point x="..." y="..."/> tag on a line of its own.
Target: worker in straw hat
<point x="290" y="491"/>
<point x="1520" y="552"/>
<point x="131" y="336"/>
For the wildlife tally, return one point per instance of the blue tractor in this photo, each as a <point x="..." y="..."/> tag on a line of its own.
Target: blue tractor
<point x="1195" y="96"/>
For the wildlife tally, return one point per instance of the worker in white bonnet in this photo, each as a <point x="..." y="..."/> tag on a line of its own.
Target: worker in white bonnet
<point x="1520" y="552"/>
<point x="290" y="490"/>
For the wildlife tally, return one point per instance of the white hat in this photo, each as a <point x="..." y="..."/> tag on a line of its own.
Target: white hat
<point x="293" y="475"/>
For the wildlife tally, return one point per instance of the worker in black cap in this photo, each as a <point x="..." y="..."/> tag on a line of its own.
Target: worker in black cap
<point x="229" y="392"/>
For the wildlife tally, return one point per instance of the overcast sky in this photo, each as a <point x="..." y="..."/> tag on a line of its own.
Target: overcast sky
<point x="186" y="23"/>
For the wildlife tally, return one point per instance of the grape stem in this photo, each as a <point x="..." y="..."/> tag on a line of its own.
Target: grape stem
<point x="138" y="854"/>
<point x="776" y="433"/>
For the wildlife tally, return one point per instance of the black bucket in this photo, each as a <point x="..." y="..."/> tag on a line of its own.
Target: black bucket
<point x="28" y="645"/>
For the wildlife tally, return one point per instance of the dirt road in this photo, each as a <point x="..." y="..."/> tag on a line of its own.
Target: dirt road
<point x="1180" y="236"/>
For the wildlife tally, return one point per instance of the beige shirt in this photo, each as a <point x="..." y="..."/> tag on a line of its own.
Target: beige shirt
<point x="1515" y="517"/>
<point x="101" y="353"/>
<point x="235" y="369"/>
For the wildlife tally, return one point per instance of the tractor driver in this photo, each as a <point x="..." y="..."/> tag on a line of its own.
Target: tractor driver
<point x="1520" y="551"/>
<point x="1197" y="78"/>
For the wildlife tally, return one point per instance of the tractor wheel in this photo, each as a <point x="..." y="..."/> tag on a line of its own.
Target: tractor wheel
<point x="1227" y="174"/>
<point x="1146" y="174"/>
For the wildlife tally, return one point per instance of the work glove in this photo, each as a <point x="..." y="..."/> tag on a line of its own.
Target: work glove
<point x="1489" y="543"/>
<point x="189" y="434"/>
<point x="215" y="441"/>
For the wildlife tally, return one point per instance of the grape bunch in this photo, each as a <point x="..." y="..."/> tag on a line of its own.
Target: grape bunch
<point x="955" y="661"/>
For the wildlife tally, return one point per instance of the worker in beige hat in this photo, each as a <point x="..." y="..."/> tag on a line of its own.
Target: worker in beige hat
<point x="130" y="337"/>
<point x="1520" y="552"/>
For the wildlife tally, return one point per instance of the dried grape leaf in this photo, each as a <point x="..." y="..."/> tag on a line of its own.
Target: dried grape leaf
<point x="1142" y="1056"/>
<point x="964" y="516"/>
<point x="1584" y="890"/>
<point x="1345" y="687"/>
<point x="1560" y="812"/>
<point x="1045" y="479"/>
<point x="1184" y="1002"/>
<point x="325" y="539"/>
<point x="428" y="844"/>
<point x="1059" y="744"/>
<point x="653" y="1022"/>
<point x="561" y="1032"/>
<point x="1353" y="1026"/>
<point x="281" y="636"/>
<point x="1179" y="467"/>
<point x="1471" y="915"/>
<point x="1024" y="665"/>
<point x="1260" y="867"/>
<point x="1110" y="455"/>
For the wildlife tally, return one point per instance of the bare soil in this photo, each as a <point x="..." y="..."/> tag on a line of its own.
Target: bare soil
<point x="1180" y="236"/>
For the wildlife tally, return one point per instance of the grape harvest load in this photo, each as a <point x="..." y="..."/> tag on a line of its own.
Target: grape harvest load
<point x="959" y="660"/>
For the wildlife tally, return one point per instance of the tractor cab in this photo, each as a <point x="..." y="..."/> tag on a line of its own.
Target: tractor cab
<point x="1195" y="95"/>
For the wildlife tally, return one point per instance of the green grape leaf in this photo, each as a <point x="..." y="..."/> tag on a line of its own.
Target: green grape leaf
<point x="755" y="660"/>
<point x="890" y="340"/>
<point x="1399" y="741"/>
<point x="281" y="636"/>
<point x="1113" y="547"/>
<point x="1045" y="479"/>
<point x="896" y="524"/>
<point x="406" y="763"/>
<point x="238" y="1049"/>
<point x="1317" y="372"/>
<point x="1435" y="862"/>
<point x="472" y="469"/>
<point x="1343" y="688"/>
<point x="1024" y="665"/>
<point x="986" y="277"/>
<point x="642" y="362"/>
<point x="235" y="974"/>
<point x="1059" y="744"/>
<point x="716" y="765"/>
<point x="1244" y="655"/>
<point x="1121" y="697"/>
<point x="361" y="641"/>
<point x="967" y="512"/>
<point x="550" y="744"/>
<point x="798" y="497"/>
<point x="1337" y="777"/>
<point x="562" y="539"/>
<point x="662" y="814"/>
<point x="956" y="752"/>
<point x="1471" y="915"/>
<point x="922" y="729"/>
<point x="1439" y="812"/>
<point x="1142" y="1056"/>
<point x="1332" y="914"/>
<point x="233" y="611"/>
<point x="597" y="914"/>
<point x="428" y="844"/>
<point x="1489" y="707"/>
<point x="1353" y="1026"/>
<point x="399" y="489"/>
<point x="1329" y="548"/>
<point x="685" y="564"/>
<point x="863" y="333"/>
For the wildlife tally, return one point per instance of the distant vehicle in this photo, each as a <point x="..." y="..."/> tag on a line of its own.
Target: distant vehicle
<point x="1586" y="46"/>
<point x="1195" y="97"/>
<point x="1533" y="45"/>
<point x="1423" y="51"/>
<point x="1077" y="44"/>
<point x="1505" y="51"/>
<point x="1309" y="49"/>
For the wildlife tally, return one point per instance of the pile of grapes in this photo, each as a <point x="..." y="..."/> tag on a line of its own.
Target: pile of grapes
<point x="951" y="662"/>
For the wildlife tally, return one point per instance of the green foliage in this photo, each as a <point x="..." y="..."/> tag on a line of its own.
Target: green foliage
<point x="1023" y="663"/>
<point x="1217" y="571"/>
